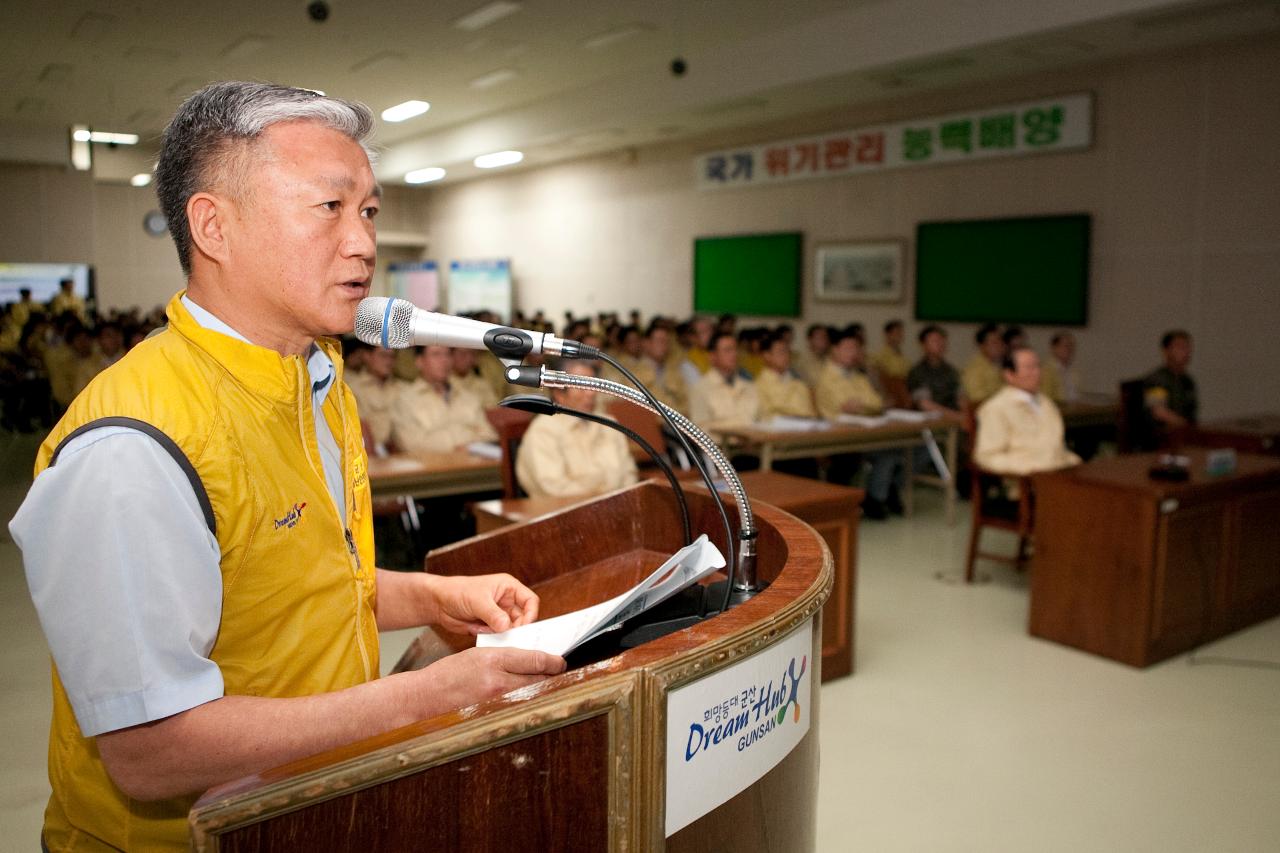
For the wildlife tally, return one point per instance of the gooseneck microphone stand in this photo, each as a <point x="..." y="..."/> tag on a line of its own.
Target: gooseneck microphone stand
<point x="744" y="583"/>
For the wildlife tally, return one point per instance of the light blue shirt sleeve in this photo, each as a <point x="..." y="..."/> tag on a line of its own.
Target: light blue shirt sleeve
<point x="125" y="577"/>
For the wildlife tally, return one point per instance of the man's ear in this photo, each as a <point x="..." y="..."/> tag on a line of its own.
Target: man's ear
<point x="207" y="217"/>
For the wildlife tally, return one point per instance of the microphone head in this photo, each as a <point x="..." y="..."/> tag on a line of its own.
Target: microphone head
<point x="384" y="322"/>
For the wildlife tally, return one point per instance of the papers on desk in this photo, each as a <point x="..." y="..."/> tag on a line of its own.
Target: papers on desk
<point x="485" y="450"/>
<point x="786" y="423"/>
<point x="561" y="634"/>
<point x="890" y="416"/>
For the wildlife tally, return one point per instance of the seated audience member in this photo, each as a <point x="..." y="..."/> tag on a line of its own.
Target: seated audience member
<point x="20" y="312"/>
<point x="781" y="392"/>
<point x="1060" y="379"/>
<point x="981" y="377"/>
<point x="727" y="324"/>
<point x="1019" y="429"/>
<point x="1169" y="392"/>
<point x="1014" y="338"/>
<point x="750" y="357"/>
<point x="67" y="301"/>
<point x="376" y="389"/>
<point x="94" y="355"/>
<point x="432" y="416"/>
<point x="808" y="362"/>
<point x="564" y="456"/>
<point x="697" y="356"/>
<point x="724" y="396"/>
<point x="656" y="371"/>
<point x="843" y="386"/>
<point x="465" y="374"/>
<point x="632" y="347"/>
<point x="934" y="384"/>
<point x="889" y="360"/>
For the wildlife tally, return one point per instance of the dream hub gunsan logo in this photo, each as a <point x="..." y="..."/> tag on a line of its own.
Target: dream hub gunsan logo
<point x="751" y="715"/>
<point x="292" y="517"/>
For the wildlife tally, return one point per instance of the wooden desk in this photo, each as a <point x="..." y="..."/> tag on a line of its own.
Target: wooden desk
<point x="774" y="445"/>
<point x="1091" y="410"/>
<point x="432" y="475"/>
<point x="1249" y="434"/>
<point x="831" y="510"/>
<point x="1138" y="570"/>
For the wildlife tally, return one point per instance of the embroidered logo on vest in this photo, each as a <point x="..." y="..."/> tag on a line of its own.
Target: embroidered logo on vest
<point x="292" y="517"/>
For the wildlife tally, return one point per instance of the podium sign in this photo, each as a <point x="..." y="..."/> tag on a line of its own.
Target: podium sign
<point x="727" y="730"/>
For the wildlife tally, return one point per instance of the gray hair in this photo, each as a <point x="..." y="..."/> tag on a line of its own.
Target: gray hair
<point x="200" y="146"/>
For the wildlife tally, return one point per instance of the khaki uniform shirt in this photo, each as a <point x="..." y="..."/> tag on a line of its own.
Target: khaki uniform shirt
<point x="374" y="400"/>
<point x="1020" y="433"/>
<point x="665" y="382"/>
<point x="890" y="362"/>
<point x="62" y="303"/>
<point x="807" y="365"/>
<point x="714" y="402"/>
<point x="424" y="420"/>
<point x="981" y="378"/>
<point x="784" y="394"/>
<point x="476" y="384"/>
<point x="1060" y="384"/>
<point x="565" y="456"/>
<point x="837" y="386"/>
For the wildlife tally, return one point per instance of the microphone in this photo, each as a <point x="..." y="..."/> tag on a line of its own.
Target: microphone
<point x="398" y="323"/>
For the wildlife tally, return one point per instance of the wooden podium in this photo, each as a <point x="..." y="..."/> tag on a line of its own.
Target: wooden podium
<point x="576" y="762"/>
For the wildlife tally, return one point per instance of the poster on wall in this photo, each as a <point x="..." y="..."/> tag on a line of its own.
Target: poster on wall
<point x="859" y="271"/>
<point x="416" y="281"/>
<point x="480" y="285"/>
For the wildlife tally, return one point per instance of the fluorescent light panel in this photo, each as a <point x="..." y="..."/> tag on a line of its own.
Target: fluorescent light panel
<point x="424" y="176"/>
<point x="612" y="37"/>
<point x="497" y="159"/>
<point x="141" y="179"/>
<point x="486" y="15"/>
<point x="83" y="134"/>
<point x="405" y="111"/>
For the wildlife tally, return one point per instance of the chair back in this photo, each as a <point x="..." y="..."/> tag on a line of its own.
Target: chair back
<point x="1133" y="429"/>
<point x="895" y="391"/>
<point x="643" y="423"/>
<point x="510" y="424"/>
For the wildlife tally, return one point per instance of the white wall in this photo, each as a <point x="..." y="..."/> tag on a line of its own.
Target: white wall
<point x="1183" y="183"/>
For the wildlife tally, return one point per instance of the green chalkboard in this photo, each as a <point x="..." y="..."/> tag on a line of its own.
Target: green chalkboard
<point x="754" y="274"/>
<point x="1032" y="270"/>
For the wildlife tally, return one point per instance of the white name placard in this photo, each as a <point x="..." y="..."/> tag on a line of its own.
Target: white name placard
<point x="727" y="730"/>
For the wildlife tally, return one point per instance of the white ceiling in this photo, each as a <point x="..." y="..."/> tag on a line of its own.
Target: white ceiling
<point x="125" y="66"/>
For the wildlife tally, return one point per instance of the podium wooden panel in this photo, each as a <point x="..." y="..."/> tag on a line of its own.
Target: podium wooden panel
<point x="577" y="761"/>
<point x="1138" y="570"/>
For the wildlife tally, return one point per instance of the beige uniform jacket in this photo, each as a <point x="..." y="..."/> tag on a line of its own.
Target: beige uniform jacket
<point x="807" y="365"/>
<point x="714" y="402"/>
<point x="1060" y="384"/>
<point x="374" y="400"/>
<point x="424" y="420"/>
<point x="837" y="386"/>
<point x="565" y="456"/>
<point x="474" y="383"/>
<point x="783" y="394"/>
<point x="1018" y="436"/>
<point x="891" y="363"/>
<point x="665" y="382"/>
<point x="980" y="379"/>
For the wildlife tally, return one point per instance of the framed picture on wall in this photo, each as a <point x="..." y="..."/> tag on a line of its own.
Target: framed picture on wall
<point x="859" y="271"/>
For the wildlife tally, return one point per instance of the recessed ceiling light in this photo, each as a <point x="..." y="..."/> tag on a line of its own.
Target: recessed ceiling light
<point x="85" y="135"/>
<point x="405" y="111"/>
<point x="498" y="158"/>
<point x="424" y="176"/>
<point x="141" y="179"/>
<point x="493" y="78"/>
<point x="486" y="15"/>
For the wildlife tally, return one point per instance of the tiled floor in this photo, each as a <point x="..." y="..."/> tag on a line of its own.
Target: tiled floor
<point x="957" y="733"/>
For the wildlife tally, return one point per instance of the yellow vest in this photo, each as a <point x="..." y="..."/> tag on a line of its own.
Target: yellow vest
<point x="298" y="582"/>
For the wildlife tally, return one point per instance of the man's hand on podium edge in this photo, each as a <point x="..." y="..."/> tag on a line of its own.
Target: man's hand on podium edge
<point x="474" y="675"/>
<point x="481" y="604"/>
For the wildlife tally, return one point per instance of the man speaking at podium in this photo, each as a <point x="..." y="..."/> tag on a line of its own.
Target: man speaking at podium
<point x="198" y="540"/>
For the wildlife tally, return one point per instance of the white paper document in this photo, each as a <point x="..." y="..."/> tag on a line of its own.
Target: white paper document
<point x="846" y="419"/>
<point x="786" y="423"/>
<point x="561" y="634"/>
<point x="910" y="416"/>
<point x="485" y="450"/>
